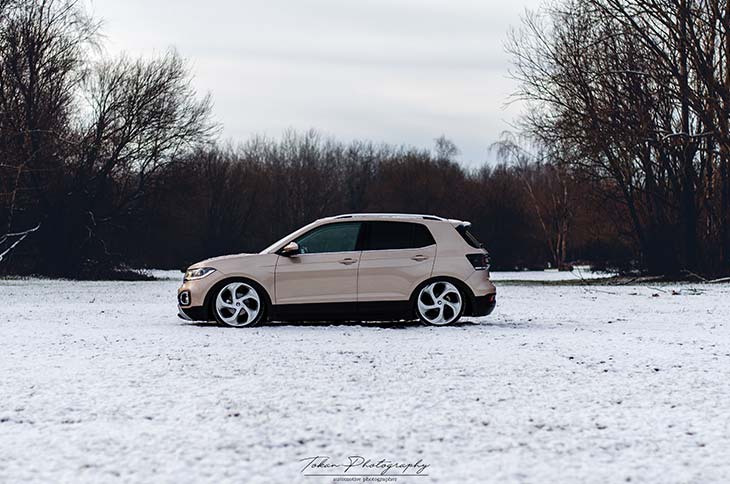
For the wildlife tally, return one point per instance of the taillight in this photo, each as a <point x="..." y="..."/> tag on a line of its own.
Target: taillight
<point x="479" y="261"/>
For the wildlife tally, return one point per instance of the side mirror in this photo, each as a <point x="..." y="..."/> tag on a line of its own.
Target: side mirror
<point x="290" y="250"/>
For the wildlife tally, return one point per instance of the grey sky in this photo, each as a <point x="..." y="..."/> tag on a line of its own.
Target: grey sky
<point x="399" y="71"/>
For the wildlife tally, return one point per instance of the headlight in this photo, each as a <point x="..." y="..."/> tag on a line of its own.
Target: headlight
<point x="193" y="274"/>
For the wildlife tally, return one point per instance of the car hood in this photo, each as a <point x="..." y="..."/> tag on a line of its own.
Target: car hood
<point x="224" y="260"/>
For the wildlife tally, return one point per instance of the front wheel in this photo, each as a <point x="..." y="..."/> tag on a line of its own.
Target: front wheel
<point x="238" y="304"/>
<point x="439" y="303"/>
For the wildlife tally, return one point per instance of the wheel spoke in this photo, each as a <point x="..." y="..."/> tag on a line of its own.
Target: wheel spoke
<point x="440" y="317"/>
<point x="427" y="306"/>
<point x="233" y="288"/>
<point x="426" y="296"/>
<point x="250" y="312"/>
<point x="223" y="302"/>
<point x="449" y="292"/>
<point x="251" y="296"/>
<point x="425" y="310"/>
<point x="452" y="305"/>
<point x="230" y="319"/>
<point x="429" y="291"/>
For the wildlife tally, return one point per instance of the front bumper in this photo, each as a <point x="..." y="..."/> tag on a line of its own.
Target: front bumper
<point x="191" y="303"/>
<point x="197" y="289"/>
<point x="484" y="305"/>
<point x="195" y="313"/>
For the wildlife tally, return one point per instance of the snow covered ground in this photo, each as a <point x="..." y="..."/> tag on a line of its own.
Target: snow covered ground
<point x="100" y="382"/>
<point x="578" y="273"/>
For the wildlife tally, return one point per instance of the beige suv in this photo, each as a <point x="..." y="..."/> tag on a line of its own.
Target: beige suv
<point x="348" y="267"/>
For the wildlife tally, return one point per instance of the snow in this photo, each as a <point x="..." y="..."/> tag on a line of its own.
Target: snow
<point x="563" y="383"/>
<point x="550" y="275"/>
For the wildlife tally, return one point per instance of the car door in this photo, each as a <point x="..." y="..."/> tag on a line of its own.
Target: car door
<point x="396" y="257"/>
<point x="325" y="270"/>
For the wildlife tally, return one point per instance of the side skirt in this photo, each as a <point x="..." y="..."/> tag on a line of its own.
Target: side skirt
<point x="347" y="311"/>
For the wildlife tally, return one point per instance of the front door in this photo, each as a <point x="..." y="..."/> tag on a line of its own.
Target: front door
<point x="325" y="271"/>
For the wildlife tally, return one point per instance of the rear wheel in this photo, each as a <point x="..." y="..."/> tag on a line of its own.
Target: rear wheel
<point x="439" y="303"/>
<point x="238" y="304"/>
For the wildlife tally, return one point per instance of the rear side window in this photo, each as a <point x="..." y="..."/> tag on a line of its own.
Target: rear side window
<point x="469" y="237"/>
<point x="397" y="235"/>
<point x="422" y="236"/>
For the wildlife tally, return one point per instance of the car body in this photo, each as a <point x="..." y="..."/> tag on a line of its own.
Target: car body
<point x="348" y="267"/>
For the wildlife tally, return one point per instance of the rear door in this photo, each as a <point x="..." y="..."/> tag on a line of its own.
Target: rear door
<point x="396" y="257"/>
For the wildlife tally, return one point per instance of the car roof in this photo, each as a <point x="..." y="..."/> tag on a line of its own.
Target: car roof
<point x="395" y="216"/>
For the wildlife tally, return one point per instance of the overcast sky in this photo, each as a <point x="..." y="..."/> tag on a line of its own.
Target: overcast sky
<point x="400" y="71"/>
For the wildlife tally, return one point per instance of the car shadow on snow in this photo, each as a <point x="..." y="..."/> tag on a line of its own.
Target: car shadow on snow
<point x="505" y="324"/>
<point x="363" y="324"/>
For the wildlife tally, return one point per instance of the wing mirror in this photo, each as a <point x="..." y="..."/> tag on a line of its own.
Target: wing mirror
<point x="290" y="250"/>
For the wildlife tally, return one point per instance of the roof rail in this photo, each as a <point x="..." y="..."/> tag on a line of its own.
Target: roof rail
<point x="390" y="215"/>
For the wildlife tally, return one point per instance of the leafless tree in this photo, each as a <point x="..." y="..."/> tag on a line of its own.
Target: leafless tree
<point x="140" y="118"/>
<point x="549" y="186"/>
<point x="82" y="141"/>
<point x="635" y="90"/>
<point x="43" y="45"/>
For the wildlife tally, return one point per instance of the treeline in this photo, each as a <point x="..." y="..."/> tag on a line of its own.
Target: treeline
<point x="227" y="200"/>
<point x="634" y="95"/>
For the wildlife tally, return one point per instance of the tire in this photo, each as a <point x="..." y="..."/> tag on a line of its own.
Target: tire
<point x="238" y="304"/>
<point x="439" y="303"/>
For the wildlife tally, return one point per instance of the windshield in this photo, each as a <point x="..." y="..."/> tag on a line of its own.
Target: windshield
<point x="286" y="238"/>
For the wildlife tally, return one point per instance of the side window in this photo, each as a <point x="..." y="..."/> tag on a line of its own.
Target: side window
<point x="397" y="235"/>
<point x="339" y="237"/>
<point x="422" y="236"/>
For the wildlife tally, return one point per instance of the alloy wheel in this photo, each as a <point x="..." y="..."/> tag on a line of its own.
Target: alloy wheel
<point x="238" y="304"/>
<point x="440" y="303"/>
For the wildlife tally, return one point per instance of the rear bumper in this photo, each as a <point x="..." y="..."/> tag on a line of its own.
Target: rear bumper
<point x="484" y="305"/>
<point x="194" y="313"/>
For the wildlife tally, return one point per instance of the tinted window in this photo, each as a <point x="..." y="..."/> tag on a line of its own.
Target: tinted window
<point x="330" y="238"/>
<point x="421" y="236"/>
<point x="397" y="235"/>
<point x="468" y="236"/>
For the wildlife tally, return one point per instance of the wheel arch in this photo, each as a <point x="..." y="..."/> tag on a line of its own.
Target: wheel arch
<point x="461" y="285"/>
<point x="207" y="303"/>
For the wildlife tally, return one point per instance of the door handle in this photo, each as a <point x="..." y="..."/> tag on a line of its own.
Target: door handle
<point x="347" y="261"/>
<point x="419" y="257"/>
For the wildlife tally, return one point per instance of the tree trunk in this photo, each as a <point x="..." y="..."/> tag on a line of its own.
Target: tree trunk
<point x="725" y="157"/>
<point x="688" y="210"/>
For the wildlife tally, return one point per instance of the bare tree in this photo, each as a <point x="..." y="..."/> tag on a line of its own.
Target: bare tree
<point x="445" y="149"/>
<point x="549" y="186"/>
<point x="43" y="45"/>
<point x="141" y="117"/>
<point x="633" y="88"/>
